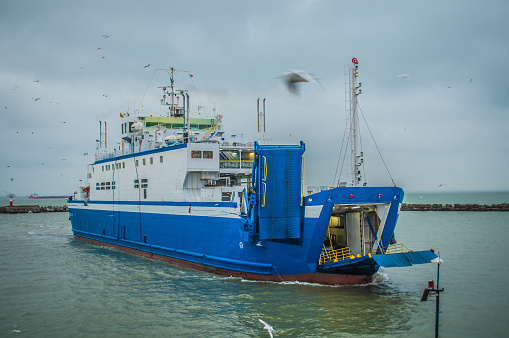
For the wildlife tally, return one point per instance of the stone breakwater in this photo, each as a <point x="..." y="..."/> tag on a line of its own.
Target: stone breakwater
<point x="455" y="207"/>
<point x="24" y="209"/>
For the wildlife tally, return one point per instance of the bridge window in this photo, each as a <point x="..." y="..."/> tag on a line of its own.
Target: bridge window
<point x="195" y="154"/>
<point x="208" y="154"/>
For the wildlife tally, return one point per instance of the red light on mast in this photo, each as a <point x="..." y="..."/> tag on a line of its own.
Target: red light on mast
<point x="354" y="61"/>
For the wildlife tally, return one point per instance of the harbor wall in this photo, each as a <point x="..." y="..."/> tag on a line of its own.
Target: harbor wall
<point x="23" y="209"/>
<point x="455" y="207"/>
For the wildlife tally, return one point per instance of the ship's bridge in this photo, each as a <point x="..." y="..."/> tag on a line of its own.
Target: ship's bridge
<point x="236" y="158"/>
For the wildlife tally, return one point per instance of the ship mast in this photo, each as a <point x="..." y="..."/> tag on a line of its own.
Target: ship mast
<point x="171" y="105"/>
<point x="351" y="73"/>
<point x="174" y="109"/>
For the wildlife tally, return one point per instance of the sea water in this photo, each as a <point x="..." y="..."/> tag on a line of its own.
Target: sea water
<point x="52" y="285"/>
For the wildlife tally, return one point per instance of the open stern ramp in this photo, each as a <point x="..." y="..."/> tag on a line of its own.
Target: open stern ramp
<point x="388" y="260"/>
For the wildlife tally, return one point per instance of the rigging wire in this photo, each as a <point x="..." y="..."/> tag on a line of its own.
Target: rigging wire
<point x="339" y="158"/>
<point x="376" y="145"/>
<point x="344" y="157"/>
<point x="195" y="89"/>
<point x="146" y="90"/>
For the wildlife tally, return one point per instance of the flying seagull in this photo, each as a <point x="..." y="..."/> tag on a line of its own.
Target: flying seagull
<point x="268" y="328"/>
<point x="404" y="76"/>
<point x="294" y="76"/>
<point x="147" y="66"/>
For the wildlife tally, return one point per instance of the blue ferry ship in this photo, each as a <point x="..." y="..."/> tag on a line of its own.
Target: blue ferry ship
<point x="181" y="189"/>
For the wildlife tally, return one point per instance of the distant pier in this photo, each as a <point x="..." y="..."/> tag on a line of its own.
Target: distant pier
<point x="24" y="209"/>
<point x="455" y="207"/>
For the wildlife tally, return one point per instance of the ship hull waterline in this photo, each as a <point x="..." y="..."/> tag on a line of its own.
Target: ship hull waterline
<point x="315" y="277"/>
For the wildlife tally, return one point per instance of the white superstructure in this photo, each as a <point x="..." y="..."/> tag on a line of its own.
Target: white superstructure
<point x="175" y="156"/>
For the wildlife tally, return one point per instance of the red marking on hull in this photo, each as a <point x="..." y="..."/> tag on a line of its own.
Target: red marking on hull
<point x="317" y="278"/>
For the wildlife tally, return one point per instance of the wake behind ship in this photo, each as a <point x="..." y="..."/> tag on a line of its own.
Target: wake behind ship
<point x="182" y="190"/>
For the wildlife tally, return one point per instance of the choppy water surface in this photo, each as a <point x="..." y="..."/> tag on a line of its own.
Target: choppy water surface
<point x="54" y="285"/>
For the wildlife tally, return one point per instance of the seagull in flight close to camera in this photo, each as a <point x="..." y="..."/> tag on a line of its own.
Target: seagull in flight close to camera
<point x="295" y="76"/>
<point x="268" y="328"/>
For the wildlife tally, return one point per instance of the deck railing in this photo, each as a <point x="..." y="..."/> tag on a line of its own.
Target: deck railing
<point x="334" y="255"/>
<point x="236" y="164"/>
<point x="340" y="254"/>
<point x="395" y="248"/>
<point x="128" y="150"/>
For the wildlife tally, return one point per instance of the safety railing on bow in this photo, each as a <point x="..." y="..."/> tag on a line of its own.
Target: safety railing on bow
<point x="395" y="248"/>
<point x="333" y="255"/>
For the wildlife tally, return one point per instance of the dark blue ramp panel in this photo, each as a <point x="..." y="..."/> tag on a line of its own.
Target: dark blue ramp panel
<point x="280" y="178"/>
<point x="404" y="259"/>
<point x="420" y="257"/>
<point x="391" y="260"/>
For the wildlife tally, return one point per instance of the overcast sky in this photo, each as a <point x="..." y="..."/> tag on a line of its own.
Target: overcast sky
<point x="448" y="124"/>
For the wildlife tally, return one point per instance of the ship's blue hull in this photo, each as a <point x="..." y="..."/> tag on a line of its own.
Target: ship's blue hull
<point x="217" y="242"/>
